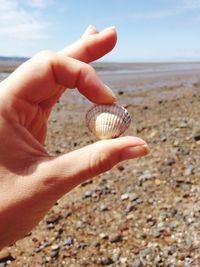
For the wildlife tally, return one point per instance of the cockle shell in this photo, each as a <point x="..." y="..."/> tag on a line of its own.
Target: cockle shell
<point x="107" y="121"/>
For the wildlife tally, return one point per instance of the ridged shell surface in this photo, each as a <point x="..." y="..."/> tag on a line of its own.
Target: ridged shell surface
<point x="107" y="121"/>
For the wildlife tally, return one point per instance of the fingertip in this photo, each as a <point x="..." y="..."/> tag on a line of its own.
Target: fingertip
<point x="110" y="34"/>
<point x="109" y="96"/>
<point x="90" y="30"/>
<point x="134" y="152"/>
<point x="109" y="29"/>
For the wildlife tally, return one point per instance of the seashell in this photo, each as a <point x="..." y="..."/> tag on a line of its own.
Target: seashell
<point x="107" y="121"/>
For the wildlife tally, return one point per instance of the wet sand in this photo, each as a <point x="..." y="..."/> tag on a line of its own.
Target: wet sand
<point x="144" y="212"/>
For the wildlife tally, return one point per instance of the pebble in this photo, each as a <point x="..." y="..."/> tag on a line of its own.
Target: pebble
<point x="176" y="142"/>
<point x="147" y="175"/>
<point x="125" y="196"/>
<point x="103" y="207"/>
<point x="196" y="134"/>
<point x="117" y="238"/>
<point x="130" y="207"/>
<point x="79" y="225"/>
<point x="107" y="261"/>
<point x="170" y="162"/>
<point x="55" y="247"/>
<point x="53" y="219"/>
<point x="88" y="194"/>
<point x="189" y="170"/>
<point x="50" y="226"/>
<point x="123" y="260"/>
<point x="133" y="196"/>
<point x="69" y="241"/>
<point x="163" y="138"/>
<point x="82" y="245"/>
<point x="136" y="263"/>
<point x="157" y="234"/>
<point x="5" y="256"/>
<point x="103" y="236"/>
<point x="54" y="254"/>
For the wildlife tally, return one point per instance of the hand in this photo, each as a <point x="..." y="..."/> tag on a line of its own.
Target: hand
<point x="31" y="180"/>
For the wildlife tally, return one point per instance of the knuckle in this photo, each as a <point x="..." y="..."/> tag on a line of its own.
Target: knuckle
<point x="45" y="56"/>
<point x="85" y="69"/>
<point x="88" y="68"/>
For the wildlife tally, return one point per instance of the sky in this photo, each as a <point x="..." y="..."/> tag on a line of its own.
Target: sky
<point x="148" y="30"/>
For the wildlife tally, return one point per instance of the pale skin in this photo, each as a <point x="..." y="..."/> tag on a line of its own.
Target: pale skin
<point x="31" y="180"/>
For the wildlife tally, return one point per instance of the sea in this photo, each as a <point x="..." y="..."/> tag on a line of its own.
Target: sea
<point x="134" y="76"/>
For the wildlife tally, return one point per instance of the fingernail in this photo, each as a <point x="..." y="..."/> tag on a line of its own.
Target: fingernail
<point x="110" y="92"/>
<point x="88" y="29"/>
<point x="108" y="29"/>
<point x="134" y="152"/>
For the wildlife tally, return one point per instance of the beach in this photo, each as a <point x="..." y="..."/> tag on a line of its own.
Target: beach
<point x="143" y="212"/>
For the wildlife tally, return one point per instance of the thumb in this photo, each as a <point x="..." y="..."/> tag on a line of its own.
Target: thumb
<point x="63" y="173"/>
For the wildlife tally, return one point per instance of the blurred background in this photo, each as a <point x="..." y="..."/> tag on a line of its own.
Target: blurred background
<point x="157" y="30"/>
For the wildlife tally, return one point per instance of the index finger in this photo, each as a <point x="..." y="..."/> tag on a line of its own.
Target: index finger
<point x="92" y="46"/>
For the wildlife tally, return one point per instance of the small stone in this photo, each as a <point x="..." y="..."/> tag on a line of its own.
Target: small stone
<point x="117" y="238"/>
<point x="189" y="170"/>
<point x="53" y="219"/>
<point x="153" y="134"/>
<point x="163" y="138"/>
<point x="5" y="256"/>
<point x="69" y="241"/>
<point x="123" y="260"/>
<point x="157" y="234"/>
<point x="183" y="124"/>
<point x="177" y="199"/>
<point x="133" y="196"/>
<point x="147" y="175"/>
<point x="138" y="201"/>
<point x="103" y="236"/>
<point x="136" y="263"/>
<point x="79" y="225"/>
<point x="88" y="194"/>
<point x="82" y="245"/>
<point x="120" y="168"/>
<point x="174" y="211"/>
<point x="55" y="247"/>
<point x="103" y="207"/>
<point x="50" y="226"/>
<point x="185" y="150"/>
<point x="130" y="207"/>
<point x="120" y="92"/>
<point x="107" y="261"/>
<point x="47" y="259"/>
<point x="188" y="261"/>
<point x="116" y="255"/>
<point x="196" y="134"/>
<point x="170" y="162"/>
<point x="54" y="254"/>
<point x="176" y="143"/>
<point x="125" y="196"/>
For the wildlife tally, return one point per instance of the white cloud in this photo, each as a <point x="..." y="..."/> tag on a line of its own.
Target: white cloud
<point x="20" y="23"/>
<point x="191" y="4"/>
<point x="179" y="7"/>
<point x="39" y="3"/>
<point x="154" y="15"/>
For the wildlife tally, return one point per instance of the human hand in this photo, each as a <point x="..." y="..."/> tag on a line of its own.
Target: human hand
<point x="31" y="180"/>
